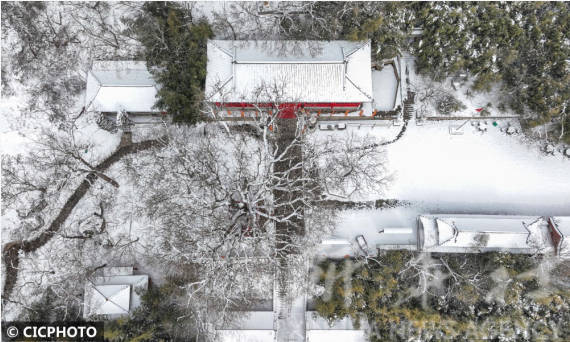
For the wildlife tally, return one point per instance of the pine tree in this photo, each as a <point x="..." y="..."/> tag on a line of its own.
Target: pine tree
<point x="175" y="51"/>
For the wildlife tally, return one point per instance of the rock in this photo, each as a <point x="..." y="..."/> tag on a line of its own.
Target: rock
<point x="549" y="149"/>
<point x="567" y="152"/>
<point x="511" y="130"/>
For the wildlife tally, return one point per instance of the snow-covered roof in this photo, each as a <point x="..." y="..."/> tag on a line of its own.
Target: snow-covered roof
<point x="251" y="320"/>
<point x="110" y="299"/>
<point x="245" y="335"/>
<point x="302" y="71"/>
<point x="122" y="73"/>
<point x="385" y="88"/>
<point x="113" y="295"/>
<point x="116" y="85"/>
<point x="427" y="232"/>
<point x="336" y="336"/>
<point x="396" y="238"/>
<point x="483" y="233"/>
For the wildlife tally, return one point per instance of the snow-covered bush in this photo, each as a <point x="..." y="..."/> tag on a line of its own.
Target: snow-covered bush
<point x="447" y="104"/>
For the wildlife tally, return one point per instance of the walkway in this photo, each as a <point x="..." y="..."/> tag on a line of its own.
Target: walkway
<point x="289" y="304"/>
<point x="288" y="307"/>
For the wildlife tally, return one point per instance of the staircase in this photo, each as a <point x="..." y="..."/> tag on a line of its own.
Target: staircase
<point x="409" y="106"/>
<point x="289" y="304"/>
<point x="284" y="301"/>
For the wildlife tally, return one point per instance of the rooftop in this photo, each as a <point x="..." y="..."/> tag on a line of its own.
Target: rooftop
<point x="480" y="233"/>
<point x="295" y="71"/>
<point x="116" y="85"/>
<point x="113" y="294"/>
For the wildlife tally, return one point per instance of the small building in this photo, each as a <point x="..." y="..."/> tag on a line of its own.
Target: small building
<point x="483" y="233"/>
<point x="122" y="86"/>
<point x="559" y="227"/>
<point x="113" y="294"/>
<point x="251" y="326"/>
<point x="320" y="330"/>
<point x="290" y="75"/>
<point x="396" y="238"/>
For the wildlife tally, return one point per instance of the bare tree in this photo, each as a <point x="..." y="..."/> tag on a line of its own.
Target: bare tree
<point x="273" y="20"/>
<point x="49" y="46"/>
<point x="224" y="203"/>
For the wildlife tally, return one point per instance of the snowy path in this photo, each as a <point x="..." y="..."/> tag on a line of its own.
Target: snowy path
<point x="289" y="304"/>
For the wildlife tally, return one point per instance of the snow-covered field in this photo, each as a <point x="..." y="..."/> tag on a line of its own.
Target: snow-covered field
<point x="478" y="172"/>
<point x="475" y="172"/>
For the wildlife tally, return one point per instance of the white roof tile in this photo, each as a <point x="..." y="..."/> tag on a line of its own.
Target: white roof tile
<point x="481" y="233"/>
<point x="113" y="295"/>
<point x="116" y="85"/>
<point x="109" y="299"/>
<point x="303" y="71"/>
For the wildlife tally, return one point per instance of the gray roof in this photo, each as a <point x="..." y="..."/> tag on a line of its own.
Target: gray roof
<point x="122" y="73"/>
<point x="300" y="71"/>
<point x="292" y="51"/>
<point x="489" y="223"/>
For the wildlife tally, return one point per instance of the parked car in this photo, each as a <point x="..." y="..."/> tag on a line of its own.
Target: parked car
<point x="362" y="244"/>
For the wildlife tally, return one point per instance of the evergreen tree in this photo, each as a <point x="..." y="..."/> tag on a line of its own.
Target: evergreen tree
<point x="158" y="318"/>
<point x="521" y="46"/>
<point x="502" y="303"/>
<point x="175" y="51"/>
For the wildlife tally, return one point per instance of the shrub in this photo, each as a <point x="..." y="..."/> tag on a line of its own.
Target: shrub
<point x="447" y="104"/>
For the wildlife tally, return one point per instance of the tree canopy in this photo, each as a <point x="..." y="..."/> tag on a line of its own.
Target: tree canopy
<point x="406" y="296"/>
<point x="175" y="52"/>
<point x="522" y="46"/>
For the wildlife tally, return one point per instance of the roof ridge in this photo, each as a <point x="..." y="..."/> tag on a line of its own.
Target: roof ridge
<point x="222" y="49"/>
<point x="348" y="55"/>
<point x="358" y="88"/>
<point x="111" y="298"/>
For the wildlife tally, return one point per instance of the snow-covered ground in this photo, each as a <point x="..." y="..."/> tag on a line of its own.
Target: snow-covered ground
<point x="384" y="88"/>
<point x="15" y="130"/>
<point x="471" y="99"/>
<point x="478" y="172"/>
<point x="475" y="172"/>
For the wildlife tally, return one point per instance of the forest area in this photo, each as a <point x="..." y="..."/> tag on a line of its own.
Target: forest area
<point x="524" y="47"/>
<point x="187" y="177"/>
<point x="492" y="296"/>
